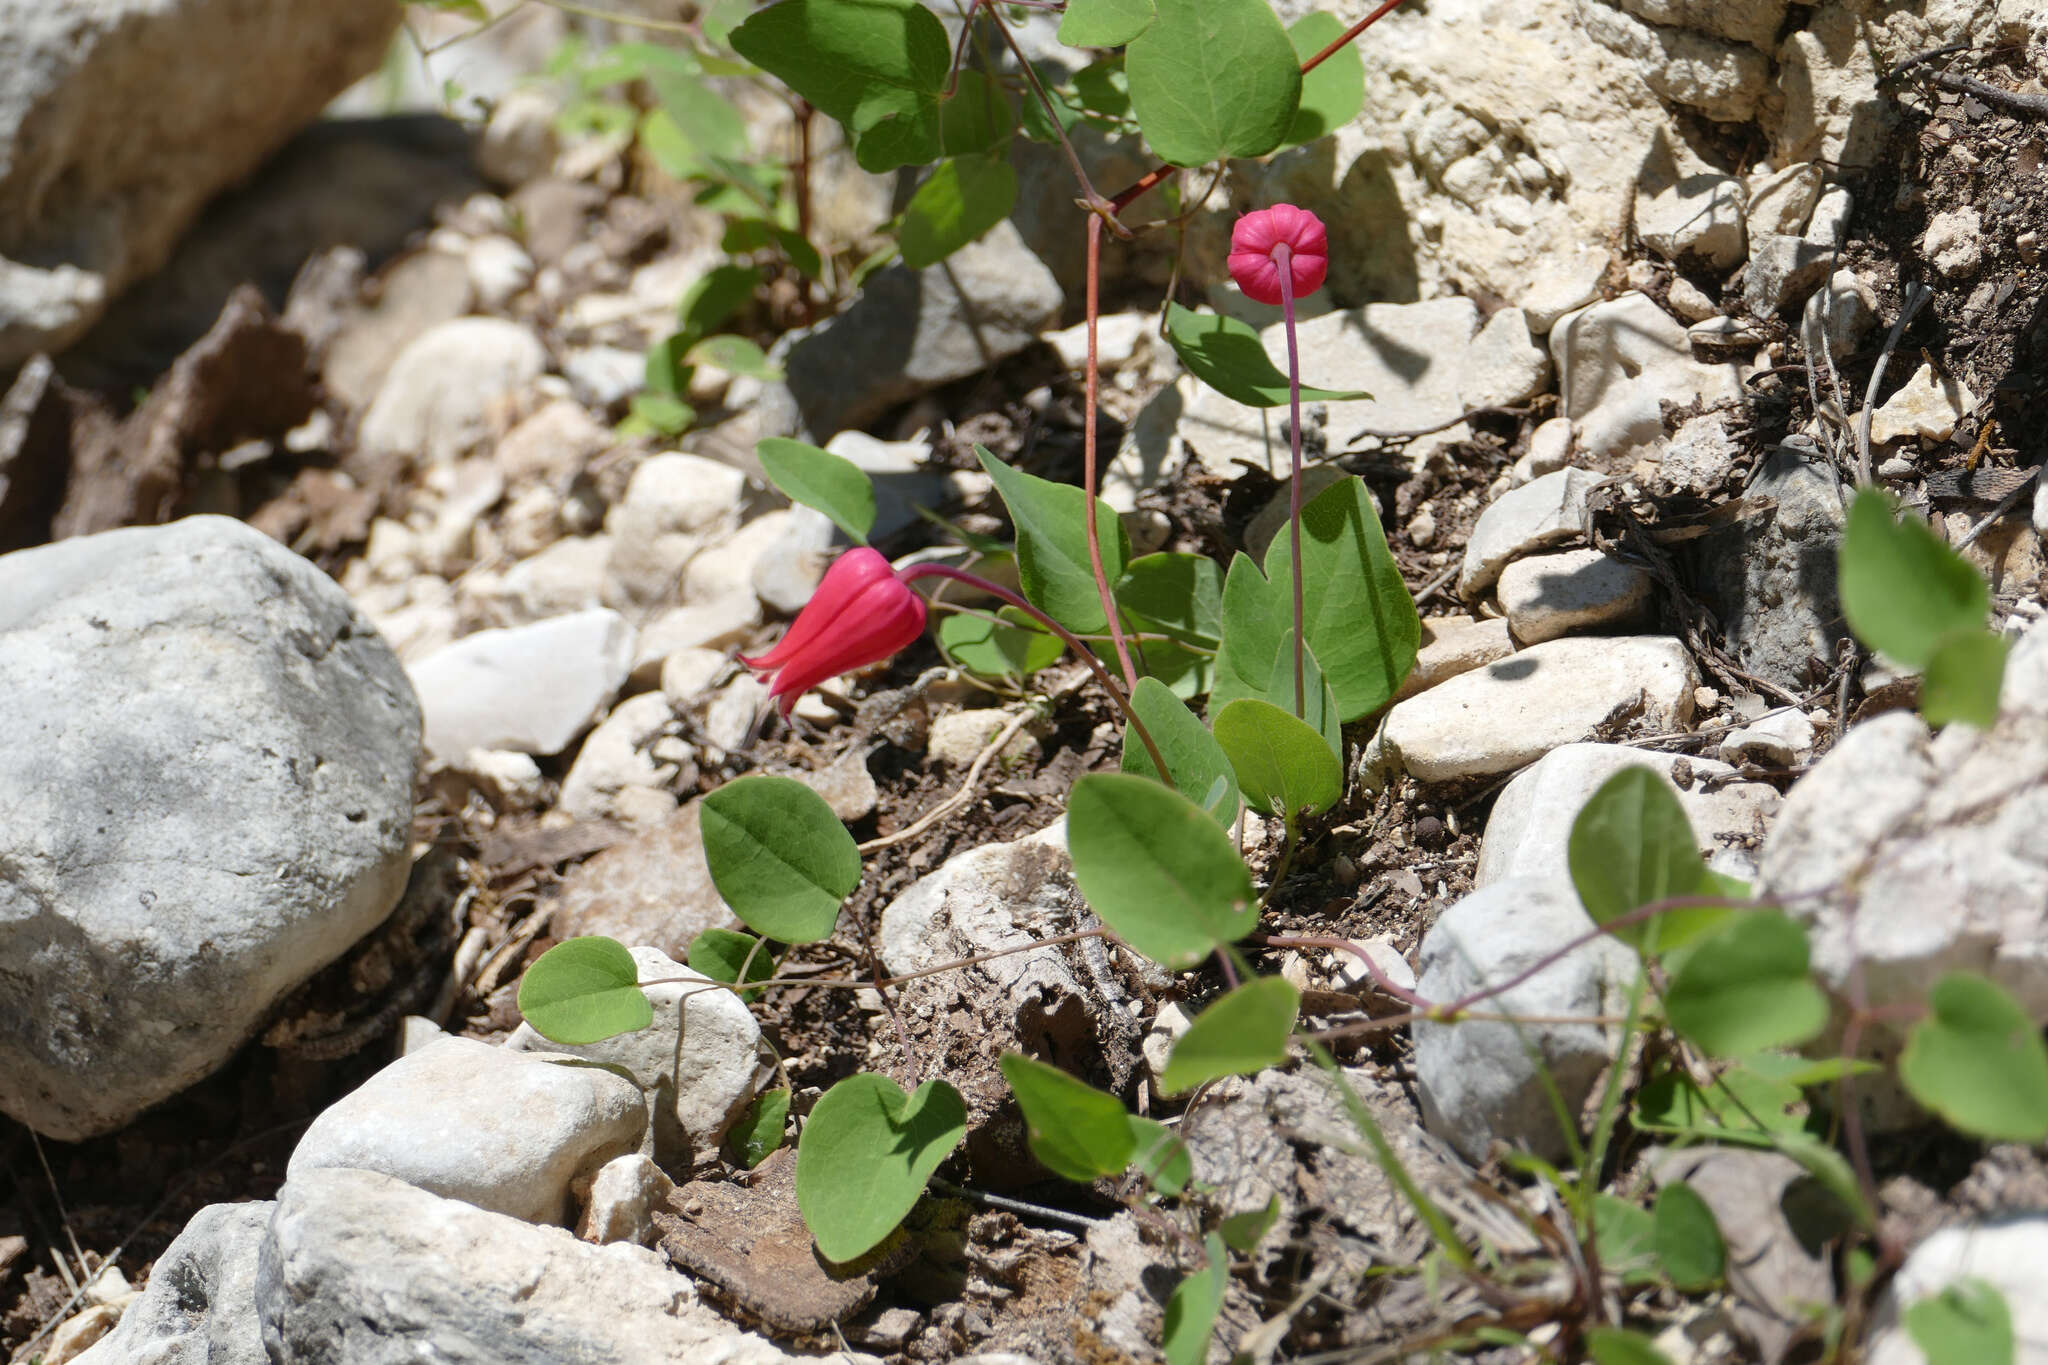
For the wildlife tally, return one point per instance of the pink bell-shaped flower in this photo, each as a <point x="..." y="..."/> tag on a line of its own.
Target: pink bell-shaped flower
<point x="861" y="614"/>
<point x="1251" y="252"/>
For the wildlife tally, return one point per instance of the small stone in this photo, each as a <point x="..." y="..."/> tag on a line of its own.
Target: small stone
<point x="1620" y="362"/>
<point x="1700" y="456"/>
<point x="1482" y="1081"/>
<point x="77" y="1332"/>
<point x="1783" y="271"/>
<point x="1119" y="339"/>
<point x="1503" y="365"/>
<point x="1690" y="301"/>
<point x="1782" y="738"/>
<point x="1699" y="218"/>
<point x="1954" y="242"/>
<point x="722" y="623"/>
<point x="1895" y="468"/>
<point x="551" y="446"/>
<point x="510" y="781"/>
<point x="623" y="1196"/>
<point x="1166" y="1029"/>
<point x="604" y="376"/>
<point x="2029" y="246"/>
<point x="1925" y="406"/>
<point x="958" y="738"/>
<point x="1780" y="203"/>
<point x="1506" y="714"/>
<point x="499" y="269"/>
<point x="563" y="578"/>
<point x="436" y="403"/>
<point x="1829" y="224"/>
<point x="1843" y="312"/>
<point x="1546" y="596"/>
<point x="790" y="569"/>
<point x="687" y="673"/>
<point x="675" y="506"/>
<point x="1452" y="645"/>
<point x="1722" y="333"/>
<point x="519" y="142"/>
<point x="200" y="1305"/>
<point x="1564" y="288"/>
<point x="1347" y="973"/>
<point x="615" y="758"/>
<point x="531" y="689"/>
<point x="1422" y="529"/>
<point x="1548" y="511"/>
<point x="416" y="1032"/>
<point x="902" y="474"/>
<point x="730" y="717"/>
<point x="699" y="1063"/>
<point x="486" y="1125"/>
<point x="1550" y="447"/>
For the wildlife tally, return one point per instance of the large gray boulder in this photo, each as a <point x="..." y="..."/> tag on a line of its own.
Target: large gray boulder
<point x="119" y="119"/>
<point x="206" y="777"/>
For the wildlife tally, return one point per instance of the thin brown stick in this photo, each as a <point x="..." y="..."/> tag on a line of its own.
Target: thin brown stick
<point x="958" y="798"/>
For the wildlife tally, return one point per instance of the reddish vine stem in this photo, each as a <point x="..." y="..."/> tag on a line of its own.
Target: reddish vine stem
<point x="1283" y="258"/>
<point x="1090" y="390"/>
<point x="1081" y="651"/>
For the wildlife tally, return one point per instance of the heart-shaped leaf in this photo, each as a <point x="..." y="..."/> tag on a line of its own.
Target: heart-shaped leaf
<point x="1690" y="1249"/>
<point x="1074" y="1129"/>
<point x="1978" y="1061"/>
<point x="1334" y="93"/>
<point x="1967" y="1323"/>
<point x="1745" y="987"/>
<point x="1903" y="590"/>
<point x="1105" y="23"/>
<point x="1011" y="645"/>
<point x="1192" y="1308"/>
<point x="584" y="990"/>
<point x="758" y="1132"/>
<point x="1283" y="767"/>
<point x="1243" y="1032"/>
<point x="1631" y="845"/>
<point x="817" y="478"/>
<point x="1228" y="356"/>
<point x="1213" y="78"/>
<point x="1963" y="678"/>
<point x="865" y="1155"/>
<point x="878" y="66"/>
<point x="1196" y="764"/>
<point x="1159" y="1155"/>
<point x="957" y="203"/>
<point x="1356" y="612"/>
<point x="1052" y="544"/>
<point x="779" y="857"/>
<point x="1157" y="868"/>
<point x="722" y="954"/>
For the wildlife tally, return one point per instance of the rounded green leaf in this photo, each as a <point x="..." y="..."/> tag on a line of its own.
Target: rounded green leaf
<point x="1690" y="1249"/>
<point x="713" y="298"/>
<point x="1104" y="23"/>
<point x="1745" y="988"/>
<point x="1243" y="1032"/>
<point x="1191" y="1310"/>
<point x="957" y="203"/>
<point x="736" y="355"/>
<point x="1356" y="612"/>
<point x="1159" y="1155"/>
<point x="583" y="990"/>
<point x="978" y="118"/>
<point x="1013" y="646"/>
<point x="1903" y="590"/>
<point x="1334" y="93"/>
<point x="778" y="856"/>
<point x="758" y="1132"/>
<point x="1978" y="1061"/>
<point x="817" y="478"/>
<point x="1159" y="871"/>
<point x="1178" y="594"/>
<point x="1963" y="678"/>
<point x="723" y="954"/>
<point x="1619" y="1346"/>
<point x="1631" y="845"/>
<point x="1283" y="766"/>
<point x="865" y="1155"/>
<point x="1228" y="356"/>
<point x="1967" y="1323"/>
<point x="1196" y="764"/>
<point x="1052" y="544"/>
<point x="878" y="66"/>
<point x="1241" y="1231"/>
<point x="1625" y="1235"/>
<point x="1213" y="78"/>
<point x="1074" y="1129"/>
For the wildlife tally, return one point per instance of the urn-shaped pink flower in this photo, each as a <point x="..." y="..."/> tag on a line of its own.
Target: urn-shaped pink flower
<point x="861" y="614"/>
<point x="1253" y="262"/>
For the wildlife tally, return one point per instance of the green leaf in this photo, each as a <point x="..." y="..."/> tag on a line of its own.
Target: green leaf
<point x="1052" y="544"/>
<point x="1356" y="611"/>
<point x="736" y="355"/>
<point x="1619" y="1346"/>
<point x="711" y="300"/>
<point x="1227" y="355"/>
<point x="1334" y="93"/>
<point x="1319" y="710"/>
<point x="1176" y="594"/>
<point x="1159" y="871"/>
<point x="1690" y="1248"/>
<point x="1242" y="1231"/>
<point x="701" y="113"/>
<point x="657" y="414"/>
<point x="1978" y="1061"/>
<point x="584" y="990"/>
<point x="759" y="1130"/>
<point x="1213" y="78"/>
<point x="819" y="479"/>
<point x="865" y="1155"/>
<point x="670" y="147"/>
<point x="1192" y="1309"/>
<point x="1074" y="1129"/>
<point x="1967" y="1323"/>
<point x="1283" y="767"/>
<point x="1745" y="1099"/>
<point x="721" y="953"/>
<point x="1105" y="23"/>
<point x="778" y="856"/>
<point x="1244" y="1031"/>
<point x="667" y="369"/>
<point x="1903" y="590"/>
<point x="1745" y="987"/>
<point x="1631" y="845"/>
<point x="957" y="203"/>
<point x="878" y="66"/>
<point x="979" y="118"/>
<point x="1625" y="1235"/>
<point x="1963" y="678"/>
<point x="1257" y="617"/>
<point x="1159" y="1155"/>
<point x="1196" y="763"/>
<point x="1014" y="646"/>
<point x="752" y="234"/>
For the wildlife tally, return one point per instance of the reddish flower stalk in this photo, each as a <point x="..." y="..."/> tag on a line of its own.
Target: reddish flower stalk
<point x="865" y="610"/>
<point x="1088" y="473"/>
<point x="1276" y="254"/>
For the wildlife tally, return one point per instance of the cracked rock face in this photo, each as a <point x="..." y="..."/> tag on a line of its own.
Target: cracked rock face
<point x="206" y="780"/>
<point x="1923" y="854"/>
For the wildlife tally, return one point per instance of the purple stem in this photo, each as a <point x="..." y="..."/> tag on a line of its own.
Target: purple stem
<point x="1283" y="257"/>
<point x="1081" y="651"/>
<point x="1089" y="477"/>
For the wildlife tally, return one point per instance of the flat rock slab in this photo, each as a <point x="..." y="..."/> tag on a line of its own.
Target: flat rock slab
<point x="1496" y="718"/>
<point x="1546" y="596"/>
<point x="750" y="1243"/>
<point x="529" y="689"/>
<point x="1542" y="513"/>
<point x="206" y="762"/>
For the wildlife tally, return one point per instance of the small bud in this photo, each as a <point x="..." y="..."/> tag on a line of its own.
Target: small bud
<point x="1251" y="252"/>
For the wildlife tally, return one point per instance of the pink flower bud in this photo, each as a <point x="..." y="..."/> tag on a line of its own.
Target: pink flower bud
<point x="1251" y="252"/>
<point x="861" y="614"/>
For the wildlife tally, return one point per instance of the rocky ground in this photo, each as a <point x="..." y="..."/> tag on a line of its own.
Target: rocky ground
<point x="1637" y="289"/>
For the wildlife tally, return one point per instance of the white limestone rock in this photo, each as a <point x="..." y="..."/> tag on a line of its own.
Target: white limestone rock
<point x="530" y="689"/>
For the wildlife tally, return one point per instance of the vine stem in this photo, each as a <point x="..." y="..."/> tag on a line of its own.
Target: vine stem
<point x="1283" y="257"/>
<point x="1081" y="651"/>
<point x="1088" y="467"/>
